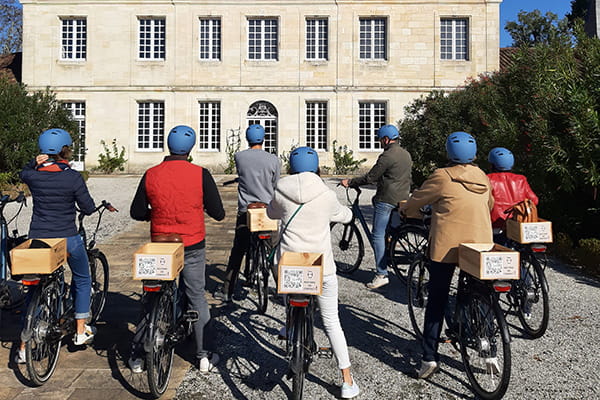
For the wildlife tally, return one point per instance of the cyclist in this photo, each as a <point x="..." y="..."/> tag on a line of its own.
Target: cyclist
<point x="392" y="173"/>
<point x="461" y="198"/>
<point x="258" y="172"/>
<point x="309" y="232"/>
<point x="173" y="196"/>
<point x="508" y="189"/>
<point x="57" y="190"/>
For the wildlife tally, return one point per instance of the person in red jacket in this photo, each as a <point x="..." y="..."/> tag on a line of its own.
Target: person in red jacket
<point x="508" y="188"/>
<point x="173" y="196"/>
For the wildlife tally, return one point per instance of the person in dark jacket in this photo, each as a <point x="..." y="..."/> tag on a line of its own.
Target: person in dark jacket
<point x="173" y="196"/>
<point x="56" y="189"/>
<point x="392" y="173"/>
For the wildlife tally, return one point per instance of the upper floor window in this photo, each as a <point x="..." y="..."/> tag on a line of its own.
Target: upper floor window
<point x="262" y="38"/>
<point x="151" y="126"/>
<point x="371" y="116"/>
<point x="209" y="130"/>
<point x="210" y="39"/>
<point x="373" y="41"/>
<point x="454" y="39"/>
<point x="152" y="38"/>
<point x="316" y="125"/>
<point x="317" y="39"/>
<point x="73" y="39"/>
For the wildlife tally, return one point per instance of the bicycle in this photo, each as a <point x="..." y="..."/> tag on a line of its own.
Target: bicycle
<point x="50" y="314"/>
<point x="403" y="242"/>
<point x="11" y="292"/>
<point x="476" y="328"/>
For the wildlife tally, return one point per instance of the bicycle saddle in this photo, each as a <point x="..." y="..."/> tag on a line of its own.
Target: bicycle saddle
<point x="167" y="237"/>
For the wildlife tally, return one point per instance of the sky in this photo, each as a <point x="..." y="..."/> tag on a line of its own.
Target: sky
<point x="510" y="8"/>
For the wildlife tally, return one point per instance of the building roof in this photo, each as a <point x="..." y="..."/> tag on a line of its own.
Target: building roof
<point x="506" y="57"/>
<point x="10" y="66"/>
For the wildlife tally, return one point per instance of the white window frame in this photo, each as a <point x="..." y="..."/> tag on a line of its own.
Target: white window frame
<point x="209" y="126"/>
<point x="152" y="128"/>
<point x="369" y="47"/>
<point x="265" y="29"/>
<point x="157" y="46"/>
<point x="77" y="111"/>
<point x="209" y="46"/>
<point x="317" y="38"/>
<point x="317" y="124"/>
<point x="372" y="114"/>
<point x="451" y="32"/>
<point x="73" y="36"/>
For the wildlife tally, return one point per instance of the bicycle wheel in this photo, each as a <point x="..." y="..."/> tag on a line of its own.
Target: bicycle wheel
<point x="484" y="346"/>
<point x="348" y="247"/>
<point x="297" y="361"/>
<point x="261" y="278"/>
<point x="159" y="358"/>
<point x="531" y="297"/>
<point x="417" y="282"/>
<point x="43" y="346"/>
<point x="100" y="277"/>
<point x="406" y="244"/>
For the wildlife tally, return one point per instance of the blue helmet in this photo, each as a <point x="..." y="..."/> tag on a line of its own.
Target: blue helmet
<point x="51" y="141"/>
<point x="255" y="134"/>
<point x="388" y="131"/>
<point x="181" y="139"/>
<point x="303" y="159"/>
<point x="502" y="159"/>
<point x="461" y="147"/>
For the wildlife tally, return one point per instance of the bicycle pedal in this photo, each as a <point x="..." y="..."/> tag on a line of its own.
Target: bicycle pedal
<point x="191" y="316"/>
<point x="325" y="352"/>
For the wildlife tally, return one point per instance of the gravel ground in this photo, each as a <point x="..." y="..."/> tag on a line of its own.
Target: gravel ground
<point x="383" y="349"/>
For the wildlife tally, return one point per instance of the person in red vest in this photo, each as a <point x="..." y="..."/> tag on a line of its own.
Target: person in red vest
<point x="173" y="196"/>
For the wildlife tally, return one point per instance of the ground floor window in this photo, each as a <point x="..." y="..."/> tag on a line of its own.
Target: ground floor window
<point x="316" y="125"/>
<point x="77" y="110"/>
<point x="265" y="114"/>
<point x="371" y="116"/>
<point x="151" y="126"/>
<point x="209" y="128"/>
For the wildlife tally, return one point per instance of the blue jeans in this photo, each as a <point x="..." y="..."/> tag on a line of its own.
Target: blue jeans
<point x="81" y="282"/>
<point x="381" y="217"/>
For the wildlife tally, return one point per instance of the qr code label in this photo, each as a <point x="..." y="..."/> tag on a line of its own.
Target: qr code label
<point x="536" y="232"/>
<point x="493" y="265"/>
<point x="152" y="266"/>
<point x="293" y="279"/>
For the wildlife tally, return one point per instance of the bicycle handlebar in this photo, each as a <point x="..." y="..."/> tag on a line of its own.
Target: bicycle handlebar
<point x="5" y="199"/>
<point x="103" y="205"/>
<point x="231" y="182"/>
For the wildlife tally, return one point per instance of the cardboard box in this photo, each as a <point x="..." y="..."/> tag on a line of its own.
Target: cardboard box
<point x="38" y="261"/>
<point x="161" y="261"/>
<point x="529" y="232"/>
<point x="300" y="273"/>
<point x="258" y="221"/>
<point x="489" y="261"/>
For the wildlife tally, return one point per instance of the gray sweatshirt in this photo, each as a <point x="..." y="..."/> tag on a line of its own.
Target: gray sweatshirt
<point x="258" y="172"/>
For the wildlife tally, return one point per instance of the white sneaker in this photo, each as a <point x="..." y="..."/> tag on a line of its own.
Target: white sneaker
<point x="206" y="364"/>
<point x="491" y="365"/>
<point x="378" y="281"/>
<point x="428" y="368"/>
<point x="136" y="365"/>
<point x="20" y="356"/>
<point x="350" y="391"/>
<point x="86" y="337"/>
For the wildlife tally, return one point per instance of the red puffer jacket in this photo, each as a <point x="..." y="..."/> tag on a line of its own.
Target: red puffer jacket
<point x="508" y="189"/>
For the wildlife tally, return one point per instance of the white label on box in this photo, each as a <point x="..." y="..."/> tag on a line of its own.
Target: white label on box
<point x="498" y="265"/>
<point x="300" y="279"/>
<point x="536" y="232"/>
<point x="493" y="265"/>
<point x="152" y="266"/>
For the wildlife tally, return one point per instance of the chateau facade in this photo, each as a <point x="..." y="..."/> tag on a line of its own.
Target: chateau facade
<point x="311" y="71"/>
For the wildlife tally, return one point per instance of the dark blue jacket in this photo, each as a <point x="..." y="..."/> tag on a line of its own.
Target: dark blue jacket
<point x="54" y="196"/>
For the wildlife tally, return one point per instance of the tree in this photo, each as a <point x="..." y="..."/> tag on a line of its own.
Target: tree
<point x="11" y="26"/>
<point x="533" y="28"/>
<point x="579" y="10"/>
<point x="23" y="117"/>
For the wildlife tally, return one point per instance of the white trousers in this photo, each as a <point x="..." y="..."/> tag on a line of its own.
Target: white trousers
<point x="328" y="305"/>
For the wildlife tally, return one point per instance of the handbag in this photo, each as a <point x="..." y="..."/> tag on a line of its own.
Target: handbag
<point x="271" y="255"/>
<point x="523" y="211"/>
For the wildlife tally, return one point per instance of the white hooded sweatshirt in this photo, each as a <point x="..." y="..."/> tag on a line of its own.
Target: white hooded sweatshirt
<point x="309" y="229"/>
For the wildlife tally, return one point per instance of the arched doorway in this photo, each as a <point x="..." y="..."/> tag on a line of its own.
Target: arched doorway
<point x="265" y="114"/>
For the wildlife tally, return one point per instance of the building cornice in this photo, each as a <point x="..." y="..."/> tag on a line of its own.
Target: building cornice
<point x="226" y="89"/>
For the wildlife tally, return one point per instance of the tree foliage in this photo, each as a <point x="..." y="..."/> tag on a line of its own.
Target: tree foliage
<point x="11" y="26"/>
<point x="579" y="10"/>
<point x="545" y="108"/>
<point x="23" y="117"/>
<point x="533" y="28"/>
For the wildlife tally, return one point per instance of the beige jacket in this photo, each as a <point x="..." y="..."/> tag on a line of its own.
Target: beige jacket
<point x="461" y="200"/>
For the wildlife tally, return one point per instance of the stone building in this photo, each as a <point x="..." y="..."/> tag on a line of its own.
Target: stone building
<point x="311" y="71"/>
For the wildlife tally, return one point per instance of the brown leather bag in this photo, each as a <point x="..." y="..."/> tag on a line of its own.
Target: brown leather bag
<point x="523" y="211"/>
<point x="167" y="237"/>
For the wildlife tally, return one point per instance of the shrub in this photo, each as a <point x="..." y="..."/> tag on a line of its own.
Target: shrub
<point x="232" y="146"/>
<point x="344" y="161"/>
<point x="112" y="159"/>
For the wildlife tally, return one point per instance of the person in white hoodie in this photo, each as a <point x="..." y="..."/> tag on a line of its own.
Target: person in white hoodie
<point x="308" y="231"/>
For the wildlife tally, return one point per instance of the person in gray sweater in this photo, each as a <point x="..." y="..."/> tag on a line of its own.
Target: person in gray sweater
<point x="258" y="172"/>
<point x="392" y="173"/>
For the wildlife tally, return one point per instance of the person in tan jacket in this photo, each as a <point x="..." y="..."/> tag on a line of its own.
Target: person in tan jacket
<point x="461" y="198"/>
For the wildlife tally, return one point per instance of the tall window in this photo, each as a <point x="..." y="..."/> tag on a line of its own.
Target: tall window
<point x="210" y="39"/>
<point x="262" y="39"/>
<point x="317" y="40"/>
<point x="151" y="125"/>
<point x="454" y="39"/>
<point x="316" y="125"/>
<point x="73" y="39"/>
<point x="373" y="41"/>
<point x="77" y="110"/>
<point x="371" y="116"/>
<point x="209" y="131"/>
<point x="152" y="38"/>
